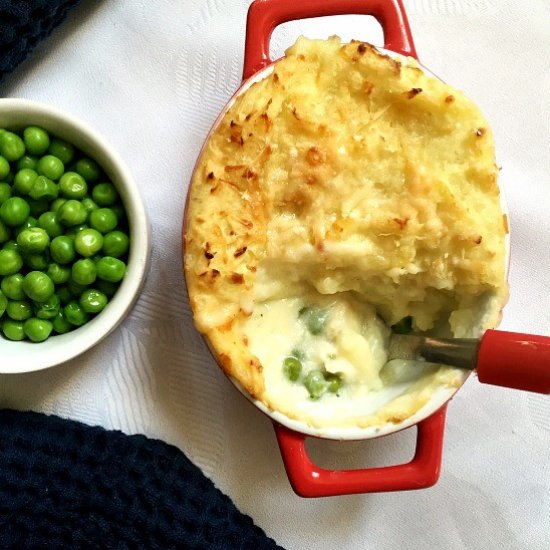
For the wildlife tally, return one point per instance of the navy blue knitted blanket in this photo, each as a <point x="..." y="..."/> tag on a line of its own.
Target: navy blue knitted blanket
<point x="67" y="485"/>
<point x="23" y="24"/>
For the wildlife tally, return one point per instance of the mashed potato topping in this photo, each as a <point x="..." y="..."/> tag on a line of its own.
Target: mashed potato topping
<point x="338" y="195"/>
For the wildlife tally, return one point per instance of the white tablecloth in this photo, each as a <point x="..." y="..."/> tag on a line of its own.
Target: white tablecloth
<point x="151" y="77"/>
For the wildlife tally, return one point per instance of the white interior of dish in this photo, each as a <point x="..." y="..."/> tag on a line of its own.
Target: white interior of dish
<point x="17" y="357"/>
<point x="439" y="397"/>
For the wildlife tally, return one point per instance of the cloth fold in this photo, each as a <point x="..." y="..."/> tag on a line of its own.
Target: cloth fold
<point x="23" y="25"/>
<point x="67" y="485"/>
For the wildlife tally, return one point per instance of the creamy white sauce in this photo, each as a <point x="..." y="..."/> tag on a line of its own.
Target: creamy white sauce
<point x="353" y="345"/>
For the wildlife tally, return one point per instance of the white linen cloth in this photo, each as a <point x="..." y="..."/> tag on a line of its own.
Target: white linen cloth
<point x="152" y="77"/>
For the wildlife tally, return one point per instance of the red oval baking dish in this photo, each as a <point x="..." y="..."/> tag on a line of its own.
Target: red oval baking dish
<point x="307" y="479"/>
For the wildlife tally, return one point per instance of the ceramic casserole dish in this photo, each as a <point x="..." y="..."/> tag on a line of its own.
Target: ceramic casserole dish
<point x="306" y="478"/>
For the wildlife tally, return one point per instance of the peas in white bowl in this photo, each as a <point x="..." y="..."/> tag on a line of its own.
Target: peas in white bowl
<point x="69" y="280"/>
<point x="55" y="175"/>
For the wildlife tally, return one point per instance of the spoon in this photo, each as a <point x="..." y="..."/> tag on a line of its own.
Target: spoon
<point x="509" y="359"/>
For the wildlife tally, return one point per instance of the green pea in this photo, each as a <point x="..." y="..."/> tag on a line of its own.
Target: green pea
<point x="37" y="330"/>
<point x="72" y="213"/>
<point x="43" y="188"/>
<point x="3" y="303"/>
<point x="64" y="294"/>
<point x="105" y="194"/>
<point x="62" y="249"/>
<point x="51" y="167"/>
<point x="115" y="244"/>
<point x="13" y="330"/>
<point x="60" y="323"/>
<point x="76" y="289"/>
<point x="12" y="287"/>
<point x="33" y="240"/>
<point x="106" y="287"/>
<point x="27" y="224"/>
<point x="37" y="261"/>
<point x="19" y="310"/>
<point x="24" y="181"/>
<point x="73" y="231"/>
<point x="73" y="185"/>
<point x="57" y="204"/>
<point x="315" y="319"/>
<point x="88" y="169"/>
<point x="36" y="140"/>
<point x="38" y="286"/>
<point x="111" y="269"/>
<point x="39" y="207"/>
<point x="50" y="223"/>
<point x="27" y="161"/>
<point x="14" y="211"/>
<point x="74" y="314"/>
<point x="4" y="168"/>
<point x="334" y="382"/>
<point x="5" y="192"/>
<point x="62" y="150"/>
<point x="10" y="262"/>
<point x="84" y="272"/>
<point x="404" y="326"/>
<point x="103" y="219"/>
<point x="88" y="242"/>
<point x="89" y="204"/>
<point x="93" y="301"/>
<point x="292" y="368"/>
<point x="12" y="147"/>
<point x="4" y="232"/>
<point x="59" y="274"/>
<point x="11" y="245"/>
<point x="49" y="308"/>
<point x="315" y="384"/>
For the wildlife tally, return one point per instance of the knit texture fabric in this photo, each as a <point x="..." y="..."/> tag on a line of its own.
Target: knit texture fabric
<point x="24" y="24"/>
<point x="67" y="485"/>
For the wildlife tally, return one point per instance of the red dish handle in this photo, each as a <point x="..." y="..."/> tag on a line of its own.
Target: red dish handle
<point x="308" y="480"/>
<point x="514" y="360"/>
<point x="265" y="15"/>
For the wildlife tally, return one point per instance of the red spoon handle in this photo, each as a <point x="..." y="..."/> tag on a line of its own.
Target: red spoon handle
<point x="515" y="360"/>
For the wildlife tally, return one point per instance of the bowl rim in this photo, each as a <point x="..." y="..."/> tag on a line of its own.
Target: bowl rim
<point x="62" y="348"/>
<point x="439" y="398"/>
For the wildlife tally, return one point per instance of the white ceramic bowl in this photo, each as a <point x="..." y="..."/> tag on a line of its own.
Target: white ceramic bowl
<point x="17" y="357"/>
